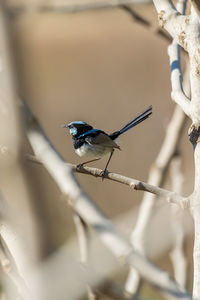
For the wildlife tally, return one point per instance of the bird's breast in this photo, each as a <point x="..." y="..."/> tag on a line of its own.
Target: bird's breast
<point x="88" y="150"/>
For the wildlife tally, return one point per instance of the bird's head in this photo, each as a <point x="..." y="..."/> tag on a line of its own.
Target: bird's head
<point x="77" y="128"/>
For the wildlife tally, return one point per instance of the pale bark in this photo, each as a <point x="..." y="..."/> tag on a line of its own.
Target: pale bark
<point x="185" y="31"/>
<point x="178" y="257"/>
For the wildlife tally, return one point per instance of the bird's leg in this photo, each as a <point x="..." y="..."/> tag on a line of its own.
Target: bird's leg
<point x="103" y="173"/>
<point x="86" y="162"/>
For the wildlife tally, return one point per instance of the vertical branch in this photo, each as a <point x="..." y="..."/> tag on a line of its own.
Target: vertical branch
<point x="84" y="241"/>
<point x="24" y="239"/>
<point x="159" y="168"/>
<point x="186" y="32"/>
<point x="195" y="210"/>
<point x="156" y="177"/>
<point x="83" y="238"/>
<point x="177" y="254"/>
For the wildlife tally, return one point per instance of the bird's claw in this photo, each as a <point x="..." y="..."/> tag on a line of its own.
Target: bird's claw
<point x="103" y="174"/>
<point x="79" y="166"/>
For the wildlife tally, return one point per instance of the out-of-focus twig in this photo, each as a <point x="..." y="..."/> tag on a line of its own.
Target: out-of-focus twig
<point x="141" y="20"/>
<point x="177" y="255"/>
<point x="84" y="245"/>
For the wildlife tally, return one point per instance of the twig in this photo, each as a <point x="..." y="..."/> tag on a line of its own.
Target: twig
<point x="177" y="93"/>
<point x="84" y="240"/>
<point x="185" y="31"/>
<point x="74" y="6"/>
<point x="135" y="184"/>
<point x="141" y="20"/>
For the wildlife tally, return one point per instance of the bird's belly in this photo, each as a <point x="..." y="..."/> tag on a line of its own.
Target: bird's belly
<point x="96" y="151"/>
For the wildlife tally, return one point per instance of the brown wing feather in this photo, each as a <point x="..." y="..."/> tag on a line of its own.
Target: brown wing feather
<point x="102" y="139"/>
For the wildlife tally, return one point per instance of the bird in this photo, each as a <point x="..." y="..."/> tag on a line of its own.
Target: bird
<point x="95" y="143"/>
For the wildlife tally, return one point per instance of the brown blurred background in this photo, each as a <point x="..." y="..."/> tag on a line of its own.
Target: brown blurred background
<point x="104" y="68"/>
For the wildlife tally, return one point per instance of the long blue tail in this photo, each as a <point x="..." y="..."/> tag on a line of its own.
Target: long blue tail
<point x="140" y="118"/>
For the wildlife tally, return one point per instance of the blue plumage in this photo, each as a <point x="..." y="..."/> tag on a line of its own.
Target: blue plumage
<point x="96" y="143"/>
<point x="88" y="132"/>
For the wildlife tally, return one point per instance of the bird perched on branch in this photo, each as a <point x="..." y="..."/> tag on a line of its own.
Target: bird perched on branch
<point x="91" y="142"/>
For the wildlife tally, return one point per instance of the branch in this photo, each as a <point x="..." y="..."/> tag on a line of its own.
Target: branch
<point x="177" y="93"/>
<point x="84" y="206"/>
<point x="84" y="241"/>
<point x="156" y="176"/>
<point x="187" y="34"/>
<point x="177" y="255"/>
<point x="135" y="184"/>
<point x="196" y="5"/>
<point x="170" y="19"/>
<point x="138" y="185"/>
<point x="141" y="20"/>
<point x="18" y="189"/>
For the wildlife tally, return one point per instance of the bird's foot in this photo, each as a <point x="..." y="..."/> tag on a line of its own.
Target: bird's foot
<point x="103" y="174"/>
<point x="79" y="166"/>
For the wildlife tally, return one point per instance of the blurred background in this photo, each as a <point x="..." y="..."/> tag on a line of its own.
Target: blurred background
<point x="103" y="67"/>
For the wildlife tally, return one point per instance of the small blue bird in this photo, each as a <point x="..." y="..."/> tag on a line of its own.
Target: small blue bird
<point x="91" y="142"/>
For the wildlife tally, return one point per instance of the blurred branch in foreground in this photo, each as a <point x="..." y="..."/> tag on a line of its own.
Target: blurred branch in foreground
<point x="143" y="21"/>
<point x="22" y="229"/>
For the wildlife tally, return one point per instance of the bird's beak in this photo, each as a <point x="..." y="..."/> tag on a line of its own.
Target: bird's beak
<point x="65" y="126"/>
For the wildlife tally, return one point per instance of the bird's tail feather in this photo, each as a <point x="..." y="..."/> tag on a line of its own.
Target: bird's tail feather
<point x="140" y="118"/>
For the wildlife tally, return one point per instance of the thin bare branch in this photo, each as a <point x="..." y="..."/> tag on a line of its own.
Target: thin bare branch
<point x="138" y="185"/>
<point x="135" y="184"/>
<point x="177" y="254"/>
<point x="141" y="20"/>
<point x="177" y="93"/>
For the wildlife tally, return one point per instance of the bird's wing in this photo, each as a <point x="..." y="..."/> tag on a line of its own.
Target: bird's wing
<point x="101" y="139"/>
